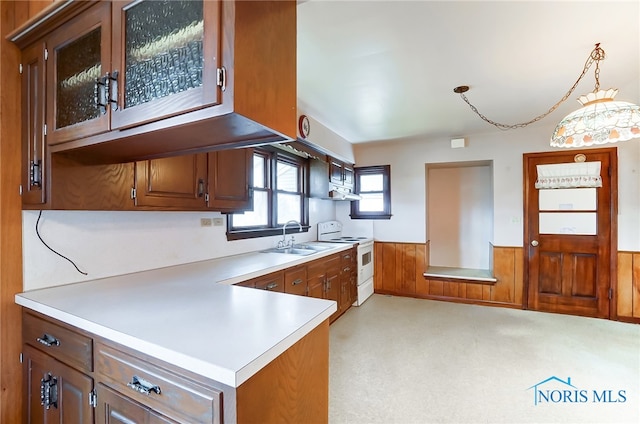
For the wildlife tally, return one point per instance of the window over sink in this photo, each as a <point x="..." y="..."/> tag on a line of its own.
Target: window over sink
<point x="279" y="196"/>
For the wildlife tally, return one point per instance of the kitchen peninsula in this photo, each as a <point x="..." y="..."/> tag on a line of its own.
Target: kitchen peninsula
<point x="182" y="343"/>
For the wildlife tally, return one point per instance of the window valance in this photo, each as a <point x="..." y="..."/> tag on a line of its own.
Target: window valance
<point x="569" y="175"/>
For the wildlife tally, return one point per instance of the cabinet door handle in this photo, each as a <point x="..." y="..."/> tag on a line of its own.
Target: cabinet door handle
<point x="49" y="391"/>
<point x="296" y="282"/>
<point x="113" y="89"/>
<point x="141" y="385"/>
<point x="101" y="93"/>
<point x="48" y="340"/>
<point x="272" y="286"/>
<point x="200" y="187"/>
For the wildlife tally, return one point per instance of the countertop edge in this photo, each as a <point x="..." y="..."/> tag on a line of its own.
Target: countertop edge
<point x="197" y="366"/>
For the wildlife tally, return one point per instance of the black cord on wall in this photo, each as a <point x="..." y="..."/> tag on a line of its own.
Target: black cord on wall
<point x="48" y="247"/>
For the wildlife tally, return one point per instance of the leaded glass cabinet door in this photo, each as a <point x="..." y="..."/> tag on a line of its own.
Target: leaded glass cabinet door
<point x="78" y="59"/>
<point x="166" y="56"/>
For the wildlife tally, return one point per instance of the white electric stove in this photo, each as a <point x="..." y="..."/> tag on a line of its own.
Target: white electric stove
<point x="331" y="231"/>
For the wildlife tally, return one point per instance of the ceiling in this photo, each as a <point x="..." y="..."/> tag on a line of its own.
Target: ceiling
<point x="385" y="70"/>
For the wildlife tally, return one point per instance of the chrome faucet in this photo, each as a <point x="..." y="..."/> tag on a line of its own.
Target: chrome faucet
<point x="283" y="243"/>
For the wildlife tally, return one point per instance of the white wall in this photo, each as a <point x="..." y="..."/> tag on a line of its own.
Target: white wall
<point x="460" y="216"/>
<point x="408" y="192"/>
<point x="113" y="243"/>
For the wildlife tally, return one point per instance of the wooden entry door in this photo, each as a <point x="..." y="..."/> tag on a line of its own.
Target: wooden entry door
<point x="567" y="270"/>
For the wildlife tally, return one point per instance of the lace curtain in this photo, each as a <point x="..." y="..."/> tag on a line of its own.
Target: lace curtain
<point x="569" y="175"/>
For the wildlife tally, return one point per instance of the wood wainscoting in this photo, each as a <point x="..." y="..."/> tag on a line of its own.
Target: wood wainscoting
<point x="628" y="287"/>
<point x="399" y="269"/>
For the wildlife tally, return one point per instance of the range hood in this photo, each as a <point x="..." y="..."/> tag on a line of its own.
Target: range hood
<point x="343" y="195"/>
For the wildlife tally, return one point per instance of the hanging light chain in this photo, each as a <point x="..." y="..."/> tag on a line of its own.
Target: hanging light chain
<point x="596" y="55"/>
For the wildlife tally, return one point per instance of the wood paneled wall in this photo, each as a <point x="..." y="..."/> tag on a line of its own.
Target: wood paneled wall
<point x="399" y="269"/>
<point x="13" y="14"/>
<point x="628" y="286"/>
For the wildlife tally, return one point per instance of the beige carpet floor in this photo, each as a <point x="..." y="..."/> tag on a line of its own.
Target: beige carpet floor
<point x="403" y="360"/>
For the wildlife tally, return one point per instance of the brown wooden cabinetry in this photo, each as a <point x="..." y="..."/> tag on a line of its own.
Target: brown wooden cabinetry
<point x="114" y="408"/>
<point x="348" y="280"/>
<point x="129" y="81"/>
<point x="131" y="387"/>
<point x="34" y="152"/>
<point x="175" y="182"/>
<point x="324" y="279"/>
<point x="230" y="176"/>
<point x="341" y="174"/>
<point x="295" y="280"/>
<point x="56" y="361"/>
<point x="273" y="282"/>
<point x="127" y="63"/>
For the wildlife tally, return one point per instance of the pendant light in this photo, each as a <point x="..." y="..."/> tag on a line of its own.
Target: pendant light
<point x="601" y="120"/>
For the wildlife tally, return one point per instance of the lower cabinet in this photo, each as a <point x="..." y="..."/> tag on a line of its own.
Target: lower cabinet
<point x="55" y="392"/>
<point x="150" y="387"/>
<point x="120" y="385"/>
<point x="332" y="277"/>
<point x="114" y="408"/>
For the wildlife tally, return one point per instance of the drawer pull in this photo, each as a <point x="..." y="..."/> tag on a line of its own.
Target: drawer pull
<point x="143" y="386"/>
<point x="296" y="282"/>
<point x="48" y="340"/>
<point x="272" y="286"/>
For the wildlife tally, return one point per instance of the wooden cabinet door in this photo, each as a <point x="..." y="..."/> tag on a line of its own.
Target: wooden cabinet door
<point x="166" y="58"/>
<point x="173" y="183"/>
<point x="316" y="278"/>
<point x="230" y="174"/>
<point x="68" y="391"/>
<point x="114" y="408"/>
<point x="35" y="163"/>
<point x="333" y="283"/>
<point x="295" y="280"/>
<point x="79" y="52"/>
<point x="348" y="176"/>
<point x="335" y="171"/>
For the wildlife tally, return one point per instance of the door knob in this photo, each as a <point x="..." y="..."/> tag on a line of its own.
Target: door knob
<point x="534" y="243"/>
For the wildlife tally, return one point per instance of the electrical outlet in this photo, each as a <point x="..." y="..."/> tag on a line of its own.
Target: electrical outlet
<point x="218" y="222"/>
<point x="205" y="222"/>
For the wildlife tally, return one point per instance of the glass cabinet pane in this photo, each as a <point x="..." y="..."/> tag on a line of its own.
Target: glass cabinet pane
<point x="78" y="64"/>
<point x="163" y="49"/>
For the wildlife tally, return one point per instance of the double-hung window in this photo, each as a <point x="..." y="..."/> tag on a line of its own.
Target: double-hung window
<point x="373" y="184"/>
<point x="278" y="196"/>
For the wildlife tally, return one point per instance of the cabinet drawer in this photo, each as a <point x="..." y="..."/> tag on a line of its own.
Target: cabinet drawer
<point x="272" y="282"/>
<point x="170" y="394"/>
<point x="295" y="280"/>
<point x="66" y="345"/>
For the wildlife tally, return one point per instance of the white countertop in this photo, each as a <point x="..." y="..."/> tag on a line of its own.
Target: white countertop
<point x="181" y="315"/>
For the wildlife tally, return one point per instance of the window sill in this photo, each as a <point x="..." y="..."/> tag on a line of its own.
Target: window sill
<point x="481" y="276"/>
<point x="377" y="216"/>
<point x="263" y="232"/>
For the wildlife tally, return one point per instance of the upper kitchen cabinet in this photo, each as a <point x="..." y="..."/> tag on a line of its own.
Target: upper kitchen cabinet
<point x="78" y="58"/>
<point x="35" y="162"/>
<point x="127" y="63"/>
<point x="127" y="81"/>
<point x="165" y="59"/>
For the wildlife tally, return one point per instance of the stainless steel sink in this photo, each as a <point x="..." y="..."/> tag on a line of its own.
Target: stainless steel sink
<point x="291" y="251"/>
<point x="298" y="249"/>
